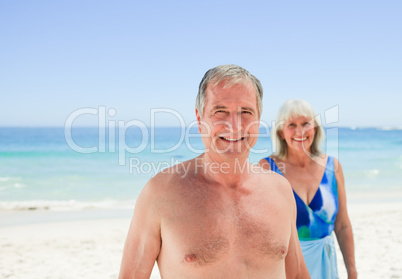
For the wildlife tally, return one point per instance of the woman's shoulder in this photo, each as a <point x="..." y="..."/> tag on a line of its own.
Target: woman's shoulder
<point x="266" y="162"/>
<point x="331" y="163"/>
<point x="330" y="158"/>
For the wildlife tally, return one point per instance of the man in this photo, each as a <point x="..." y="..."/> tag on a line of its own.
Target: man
<point x="217" y="216"/>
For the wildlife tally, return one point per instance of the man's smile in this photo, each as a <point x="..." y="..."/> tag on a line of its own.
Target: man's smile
<point x="232" y="140"/>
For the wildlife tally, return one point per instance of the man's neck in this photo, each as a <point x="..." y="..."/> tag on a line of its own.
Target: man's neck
<point x="226" y="171"/>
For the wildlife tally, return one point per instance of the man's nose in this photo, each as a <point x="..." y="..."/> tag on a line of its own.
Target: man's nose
<point x="235" y="122"/>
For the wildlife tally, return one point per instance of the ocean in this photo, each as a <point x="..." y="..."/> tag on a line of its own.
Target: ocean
<point x="48" y="168"/>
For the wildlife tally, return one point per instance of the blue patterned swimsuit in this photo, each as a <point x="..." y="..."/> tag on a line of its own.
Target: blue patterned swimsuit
<point x="315" y="223"/>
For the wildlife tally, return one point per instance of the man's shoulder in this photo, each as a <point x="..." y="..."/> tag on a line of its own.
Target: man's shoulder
<point x="275" y="183"/>
<point x="270" y="176"/>
<point x="180" y="170"/>
<point x="171" y="176"/>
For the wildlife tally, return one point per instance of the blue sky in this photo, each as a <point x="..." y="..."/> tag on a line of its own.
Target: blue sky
<point x="59" y="56"/>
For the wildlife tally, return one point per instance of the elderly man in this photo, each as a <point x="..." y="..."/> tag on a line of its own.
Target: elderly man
<point x="217" y="215"/>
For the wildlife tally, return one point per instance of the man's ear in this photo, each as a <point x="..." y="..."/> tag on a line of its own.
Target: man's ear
<point x="198" y="120"/>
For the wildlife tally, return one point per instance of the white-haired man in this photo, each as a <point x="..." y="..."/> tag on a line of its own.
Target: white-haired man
<point x="225" y="218"/>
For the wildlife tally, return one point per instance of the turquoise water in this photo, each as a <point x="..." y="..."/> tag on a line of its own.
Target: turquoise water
<point x="41" y="168"/>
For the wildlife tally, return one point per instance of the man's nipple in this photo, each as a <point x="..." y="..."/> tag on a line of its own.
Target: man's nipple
<point x="283" y="252"/>
<point x="189" y="258"/>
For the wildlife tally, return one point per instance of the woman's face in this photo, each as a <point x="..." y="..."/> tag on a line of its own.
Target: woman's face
<point x="299" y="132"/>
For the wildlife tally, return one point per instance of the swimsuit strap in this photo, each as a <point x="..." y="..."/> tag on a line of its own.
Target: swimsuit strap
<point x="274" y="166"/>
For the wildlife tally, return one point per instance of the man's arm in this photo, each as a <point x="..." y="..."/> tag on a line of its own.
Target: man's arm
<point x="294" y="261"/>
<point x="144" y="237"/>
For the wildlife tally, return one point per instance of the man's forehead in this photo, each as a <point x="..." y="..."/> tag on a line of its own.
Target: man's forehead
<point x="242" y="103"/>
<point x="215" y="89"/>
<point x="227" y="83"/>
<point x="240" y="107"/>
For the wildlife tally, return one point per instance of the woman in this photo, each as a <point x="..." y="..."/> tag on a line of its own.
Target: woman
<point x="318" y="186"/>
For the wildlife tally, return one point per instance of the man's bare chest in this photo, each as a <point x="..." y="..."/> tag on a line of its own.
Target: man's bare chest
<point x="205" y="231"/>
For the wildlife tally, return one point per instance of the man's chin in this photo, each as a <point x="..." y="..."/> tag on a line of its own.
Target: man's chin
<point x="232" y="150"/>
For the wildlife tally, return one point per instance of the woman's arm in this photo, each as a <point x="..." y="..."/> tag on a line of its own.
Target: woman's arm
<point x="343" y="227"/>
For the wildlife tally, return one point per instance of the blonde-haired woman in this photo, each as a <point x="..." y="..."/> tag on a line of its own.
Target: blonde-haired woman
<point x="318" y="186"/>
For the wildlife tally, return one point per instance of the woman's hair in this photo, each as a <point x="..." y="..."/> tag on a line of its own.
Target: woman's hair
<point x="295" y="108"/>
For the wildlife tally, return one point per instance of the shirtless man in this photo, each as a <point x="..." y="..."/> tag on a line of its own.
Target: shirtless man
<point x="217" y="216"/>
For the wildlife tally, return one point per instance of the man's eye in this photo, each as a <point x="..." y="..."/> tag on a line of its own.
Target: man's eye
<point x="247" y="112"/>
<point x="220" y="112"/>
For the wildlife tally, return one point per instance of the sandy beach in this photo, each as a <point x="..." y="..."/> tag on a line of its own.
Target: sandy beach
<point x="92" y="248"/>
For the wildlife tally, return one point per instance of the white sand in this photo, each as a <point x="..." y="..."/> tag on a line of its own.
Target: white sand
<point x="377" y="229"/>
<point x="93" y="248"/>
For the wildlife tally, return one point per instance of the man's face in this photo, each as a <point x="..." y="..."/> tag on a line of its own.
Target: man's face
<point x="230" y="122"/>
